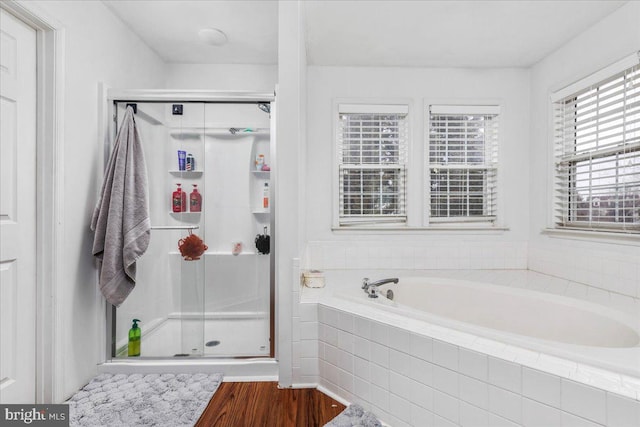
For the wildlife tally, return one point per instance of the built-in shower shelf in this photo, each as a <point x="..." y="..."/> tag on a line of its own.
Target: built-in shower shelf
<point x="261" y="174"/>
<point x="186" y="216"/>
<point x="260" y="211"/>
<point x="196" y="133"/>
<point x="186" y="174"/>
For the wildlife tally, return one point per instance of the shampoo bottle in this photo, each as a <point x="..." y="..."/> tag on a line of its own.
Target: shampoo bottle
<point x="179" y="200"/>
<point x="135" y="335"/>
<point x="195" y="199"/>
<point x="265" y="196"/>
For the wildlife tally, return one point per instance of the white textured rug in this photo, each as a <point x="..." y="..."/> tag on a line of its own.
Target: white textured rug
<point x="354" y="416"/>
<point x="143" y="400"/>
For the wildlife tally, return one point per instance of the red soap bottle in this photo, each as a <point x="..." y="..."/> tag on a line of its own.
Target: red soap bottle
<point x="195" y="199"/>
<point x="179" y="200"/>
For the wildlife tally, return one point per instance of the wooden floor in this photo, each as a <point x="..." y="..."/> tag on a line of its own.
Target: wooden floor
<point x="258" y="404"/>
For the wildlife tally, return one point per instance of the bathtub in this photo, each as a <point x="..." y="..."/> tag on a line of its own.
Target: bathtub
<point x="447" y="350"/>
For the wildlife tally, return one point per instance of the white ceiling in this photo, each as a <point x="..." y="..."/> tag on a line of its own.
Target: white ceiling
<point x="481" y="33"/>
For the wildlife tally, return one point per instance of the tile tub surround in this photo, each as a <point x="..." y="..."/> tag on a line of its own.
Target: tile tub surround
<point x="413" y="374"/>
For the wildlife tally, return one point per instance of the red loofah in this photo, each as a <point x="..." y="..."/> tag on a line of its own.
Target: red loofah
<point x="191" y="247"/>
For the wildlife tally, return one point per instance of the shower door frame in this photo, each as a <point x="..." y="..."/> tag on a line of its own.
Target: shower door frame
<point x="109" y="130"/>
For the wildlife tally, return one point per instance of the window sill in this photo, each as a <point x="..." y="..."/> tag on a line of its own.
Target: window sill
<point x="631" y="239"/>
<point x="438" y="229"/>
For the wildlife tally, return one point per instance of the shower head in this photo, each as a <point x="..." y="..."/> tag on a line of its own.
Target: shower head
<point x="265" y="107"/>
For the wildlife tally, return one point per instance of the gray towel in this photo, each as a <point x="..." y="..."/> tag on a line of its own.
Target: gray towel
<point x="121" y="218"/>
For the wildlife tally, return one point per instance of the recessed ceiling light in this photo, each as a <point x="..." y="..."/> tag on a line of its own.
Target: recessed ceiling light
<point x="212" y="36"/>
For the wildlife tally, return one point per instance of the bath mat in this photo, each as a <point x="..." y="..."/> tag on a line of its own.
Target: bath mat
<point x="143" y="400"/>
<point x="354" y="416"/>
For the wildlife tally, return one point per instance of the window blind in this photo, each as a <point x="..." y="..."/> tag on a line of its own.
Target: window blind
<point x="372" y="157"/>
<point x="597" y="155"/>
<point x="462" y="163"/>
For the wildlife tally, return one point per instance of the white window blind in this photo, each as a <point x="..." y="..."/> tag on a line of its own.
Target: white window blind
<point x="597" y="155"/>
<point x="372" y="157"/>
<point x="463" y="163"/>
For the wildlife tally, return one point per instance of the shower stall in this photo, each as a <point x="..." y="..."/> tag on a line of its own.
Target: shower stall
<point x="220" y="147"/>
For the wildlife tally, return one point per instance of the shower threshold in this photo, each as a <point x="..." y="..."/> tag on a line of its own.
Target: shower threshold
<point x="251" y="369"/>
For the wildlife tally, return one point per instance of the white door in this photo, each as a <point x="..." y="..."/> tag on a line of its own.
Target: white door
<point x="17" y="210"/>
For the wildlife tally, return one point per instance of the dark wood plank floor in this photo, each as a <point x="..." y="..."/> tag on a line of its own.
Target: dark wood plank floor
<point x="263" y="404"/>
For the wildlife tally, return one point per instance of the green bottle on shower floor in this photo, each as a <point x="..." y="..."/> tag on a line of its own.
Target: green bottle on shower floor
<point x="135" y="336"/>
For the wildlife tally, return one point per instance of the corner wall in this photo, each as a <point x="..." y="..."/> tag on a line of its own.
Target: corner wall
<point x="611" y="268"/>
<point x="98" y="48"/>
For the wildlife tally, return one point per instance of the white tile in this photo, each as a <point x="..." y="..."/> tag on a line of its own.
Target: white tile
<point x="332" y="317"/>
<point x="473" y="364"/>
<point x="536" y="414"/>
<point x="472" y="416"/>
<point x="584" y="401"/>
<point x="445" y="380"/>
<point x="379" y="375"/>
<point x="362" y="327"/>
<point x="542" y="387"/>
<point x="380" y="333"/>
<point x="361" y="388"/>
<point x="505" y="374"/>
<point x="379" y="354"/>
<point x="379" y="397"/>
<point x="345" y="341"/>
<point x="422" y="395"/>
<point x="422" y="347"/>
<point x="421" y="417"/>
<point x="309" y="330"/>
<point x="309" y="366"/>
<point x="331" y="373"/>
<point x="331" y="354"/>
<point x="330" y="335"/>
<point x="295" y="329"/>
<point x="295" y="353"/>
<point x="400" y="385"/>
<point x="506" y="404"/>
<point x="422" y="371"/>
<point x="361" y="368"/>
<point x="400" y="339"/>
<point x="474" y="391"/>
<point x="445" y="354"/>
<point x="308" y="348"/>
<point x="345" y="321"/>
<point x="345" y="381"/>
<point x="497" y="421"/>
<point x="569" y="420"/>
<point x="622" y="412"/>
<point x="361" y="347"/>
<point x="438" y="421"/>
<point x="345" y="360"/>
<point x="446" y="406"/>
<point x="308" y="312"/>
<point x="399" y="407"/>
<point x="400" y="362"/>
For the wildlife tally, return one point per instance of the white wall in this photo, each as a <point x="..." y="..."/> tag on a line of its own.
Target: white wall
<point x="258" y="78"/>
<point x="423" y="249"/>
<point x="610" y="266"/>
<point x="98" y="48"/>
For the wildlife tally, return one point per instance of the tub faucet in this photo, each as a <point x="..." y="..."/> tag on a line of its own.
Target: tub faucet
<point x="371" y="288"/>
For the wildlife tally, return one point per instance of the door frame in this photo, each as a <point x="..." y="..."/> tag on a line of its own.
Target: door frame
<point x="50" y="37"/>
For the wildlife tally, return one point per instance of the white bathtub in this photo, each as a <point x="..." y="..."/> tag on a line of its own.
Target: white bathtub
<point x="517" y="311"/>
<point x="561" y="335"/>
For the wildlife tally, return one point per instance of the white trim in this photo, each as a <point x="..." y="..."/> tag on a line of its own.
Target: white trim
<point x="49" y="195"/>
<point x="373" y="108"/>
<point x="465" y="109"/>
<point x="168" y="95"/>
<point x="597" y="77"/>
<point x="613" y="238"/>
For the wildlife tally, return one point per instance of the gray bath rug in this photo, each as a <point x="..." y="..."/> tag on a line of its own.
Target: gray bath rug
<point x="354" y="416"/>
<point x="174" y="400"/>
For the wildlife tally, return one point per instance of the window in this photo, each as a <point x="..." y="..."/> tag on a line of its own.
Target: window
<point x="597" y="157"/>
<point x="372" y="158"/>
<point x="463" y="163"/>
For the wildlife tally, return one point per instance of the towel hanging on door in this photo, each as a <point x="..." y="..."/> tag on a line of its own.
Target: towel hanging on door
<point x="121" y="218"/>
